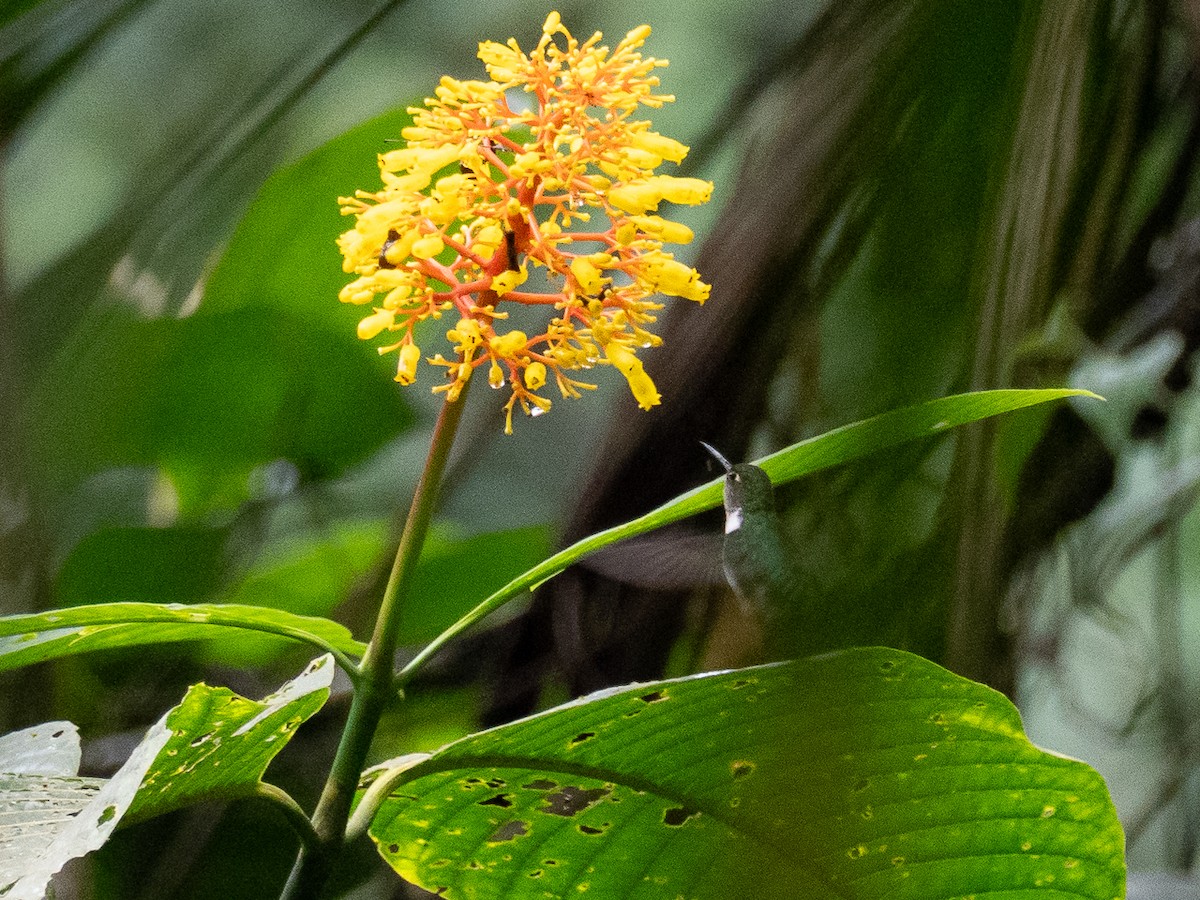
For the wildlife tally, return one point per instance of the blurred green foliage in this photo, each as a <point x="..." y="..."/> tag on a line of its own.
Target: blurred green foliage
<point x="919" y="197"/>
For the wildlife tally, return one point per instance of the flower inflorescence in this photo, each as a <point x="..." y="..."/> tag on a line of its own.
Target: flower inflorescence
<point x="482" y="193"/>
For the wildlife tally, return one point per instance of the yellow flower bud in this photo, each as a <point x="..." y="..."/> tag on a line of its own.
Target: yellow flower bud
<point x="685" y="190"/>
<point x="487" y="239"/>
<point x="396" y="297"/>
<point x="378" y="321"/>
<point x="428" y="246"/>
<point x="666" y="231"/>
<point x="406" y="371"/>
<point x="535" y="375"/>
<point x="508" y="345"/>
<point x="466" y="335"/>
<point x="355" y="293"/>
<point x="636" y="37"/>
<point x="494" y="54"/>
<point x="640" y="384"/>
<point x="636" y="198"/>
<point x="640" y="159"/>
<point x="399" y="250"/>
<point x="496" y="375"/>
<point x="660" y="145"/>
<point x="506" y="281"/>
<point x="587" y="275"/>
<point x="671" y="277"/>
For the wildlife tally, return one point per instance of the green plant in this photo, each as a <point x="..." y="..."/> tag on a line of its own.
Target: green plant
<point x="861" y="773"/>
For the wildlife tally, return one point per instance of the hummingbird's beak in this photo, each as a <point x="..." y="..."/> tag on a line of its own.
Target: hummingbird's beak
<point x="717" y="456"/>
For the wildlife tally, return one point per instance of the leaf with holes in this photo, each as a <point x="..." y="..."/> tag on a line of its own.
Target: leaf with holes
<point x="40" y="794"/>
<point x="49" y="816"/>
<point x="867" y="773"/>
<point x="221" y="743"/>
<point x="29" y="639"/>
<point x="213" y="744"/>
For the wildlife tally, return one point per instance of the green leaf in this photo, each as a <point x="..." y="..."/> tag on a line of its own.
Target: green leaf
<point x="131" y="564"/>
<point x="171" y="392"/>
<point x="866" y="773"/>
<point x="454" y="572"/>
<point x="29" y="639"/>
<point x="842" y="445"/>
<point x="284" y="253"/>
<point x="221" y="743"/>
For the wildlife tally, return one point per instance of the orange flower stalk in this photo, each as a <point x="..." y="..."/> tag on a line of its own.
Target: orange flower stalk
<point x="542" y="200"/>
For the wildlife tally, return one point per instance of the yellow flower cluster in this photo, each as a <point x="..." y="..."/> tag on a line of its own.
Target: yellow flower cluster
<point x="533" y="190"/>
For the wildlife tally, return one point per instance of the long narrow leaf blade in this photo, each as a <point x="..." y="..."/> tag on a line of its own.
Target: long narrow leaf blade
<point x="25" y="640"/>
<point x="842" y="445"/>
<point x="862" y="774"/>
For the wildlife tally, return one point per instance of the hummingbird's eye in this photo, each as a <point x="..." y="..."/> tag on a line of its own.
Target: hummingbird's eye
<point x="736" y="477"/>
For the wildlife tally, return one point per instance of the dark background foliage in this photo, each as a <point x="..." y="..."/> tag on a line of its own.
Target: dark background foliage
<point x="914" y="197"/>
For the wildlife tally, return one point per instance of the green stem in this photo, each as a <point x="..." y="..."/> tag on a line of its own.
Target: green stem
<point x="375" y="685"/>
<point x="296" y="817"/>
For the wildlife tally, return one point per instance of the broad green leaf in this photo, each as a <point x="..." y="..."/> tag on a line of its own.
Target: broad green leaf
<point x="862" y="774"/>
<point x="29" y="639"/>
<point x="221" y="743"/>
<point x="173" y="392"/>
<point x="15" y="9"/>
<point x="284" y="253"/>
<point x="454" y="572"/>
<point x="842" y="445"/>
<point x="124" y="564"/>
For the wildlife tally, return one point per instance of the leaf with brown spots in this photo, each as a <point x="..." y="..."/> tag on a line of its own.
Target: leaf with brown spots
<point x="861" y="774"/>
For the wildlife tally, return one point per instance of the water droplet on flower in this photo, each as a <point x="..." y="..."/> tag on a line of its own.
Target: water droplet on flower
<point x="536" y="411"/>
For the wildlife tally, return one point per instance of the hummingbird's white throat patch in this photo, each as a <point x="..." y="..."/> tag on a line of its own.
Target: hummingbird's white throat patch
<point x="733" y="521"/>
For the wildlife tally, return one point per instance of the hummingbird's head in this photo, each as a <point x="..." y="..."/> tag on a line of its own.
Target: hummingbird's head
<point x="747" y="489"/>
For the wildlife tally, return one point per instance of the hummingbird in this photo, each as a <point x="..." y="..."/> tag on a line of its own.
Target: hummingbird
<point x="756" y="559"/>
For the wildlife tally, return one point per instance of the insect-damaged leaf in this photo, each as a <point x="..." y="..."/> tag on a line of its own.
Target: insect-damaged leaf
<point x="860" y="774"/>
<point x="213" y="744"/>
<point x="50" y="817"/>
<point x="221" y="743"/>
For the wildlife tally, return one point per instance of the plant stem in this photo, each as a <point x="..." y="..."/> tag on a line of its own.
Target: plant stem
<point x="297" y="819"/>
<point x="375" y="686"/>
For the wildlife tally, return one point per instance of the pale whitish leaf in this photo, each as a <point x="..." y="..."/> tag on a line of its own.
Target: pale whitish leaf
<point x="51" y="748"/>
<point x="863" y="774"/>
<point x="58" y="819"/>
